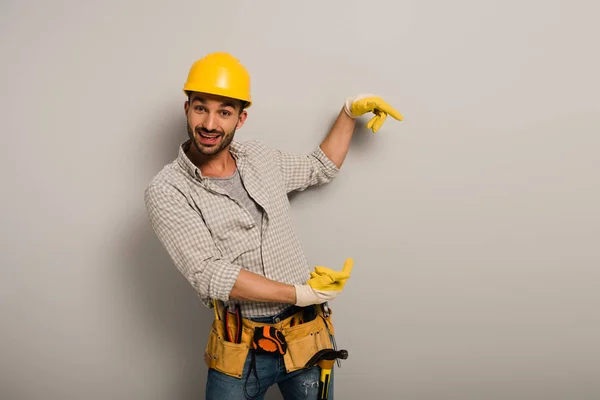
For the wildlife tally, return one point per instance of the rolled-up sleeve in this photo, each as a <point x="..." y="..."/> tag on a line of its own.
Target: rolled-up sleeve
<point x="299" y="171"/>
<point x="183" y="233"/>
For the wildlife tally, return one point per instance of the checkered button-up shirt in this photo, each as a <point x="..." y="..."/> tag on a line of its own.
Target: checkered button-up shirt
<point x="210" y="237"/>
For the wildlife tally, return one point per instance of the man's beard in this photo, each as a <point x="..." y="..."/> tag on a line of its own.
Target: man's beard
<point x="226" y="139"/>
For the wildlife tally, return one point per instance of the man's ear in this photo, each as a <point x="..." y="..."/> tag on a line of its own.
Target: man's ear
<point x="241" y="119"/>
<point x="186" y="106"/>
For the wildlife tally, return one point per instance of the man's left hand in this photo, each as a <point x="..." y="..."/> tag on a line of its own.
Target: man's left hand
<point x="364" y="103"/>
<point x="323" y="278"/>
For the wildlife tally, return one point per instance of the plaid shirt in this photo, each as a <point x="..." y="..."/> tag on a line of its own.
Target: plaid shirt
<point x="210" y="237"/>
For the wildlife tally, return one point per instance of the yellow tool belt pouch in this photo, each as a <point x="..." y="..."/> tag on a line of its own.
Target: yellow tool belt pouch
<point x="304" y="340"/>
<point x="224" y="356"/>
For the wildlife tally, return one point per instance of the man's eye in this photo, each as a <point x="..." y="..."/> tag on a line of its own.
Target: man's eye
<point x="199" y="108"/>
<point x="226" y="113"/>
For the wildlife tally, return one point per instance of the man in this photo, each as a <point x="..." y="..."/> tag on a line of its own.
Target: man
<point x="221" y="210"/>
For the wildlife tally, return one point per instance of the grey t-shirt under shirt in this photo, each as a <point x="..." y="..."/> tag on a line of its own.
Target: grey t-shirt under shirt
<point x="234" y="187"/>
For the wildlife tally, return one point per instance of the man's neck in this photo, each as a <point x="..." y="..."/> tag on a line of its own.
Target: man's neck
<point x="219" y="165"/>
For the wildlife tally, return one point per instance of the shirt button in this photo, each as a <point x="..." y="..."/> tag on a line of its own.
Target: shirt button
<point x="277" y="319"/>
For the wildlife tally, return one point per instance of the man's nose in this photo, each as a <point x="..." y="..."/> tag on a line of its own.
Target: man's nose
<point x="210" y="122"/>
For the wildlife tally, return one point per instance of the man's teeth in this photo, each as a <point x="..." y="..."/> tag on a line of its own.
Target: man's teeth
<point x="209" y="136"/>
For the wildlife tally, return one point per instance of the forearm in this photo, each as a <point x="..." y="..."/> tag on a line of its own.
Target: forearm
<point x="336" y="144"/>
<point x="253" y="287"/>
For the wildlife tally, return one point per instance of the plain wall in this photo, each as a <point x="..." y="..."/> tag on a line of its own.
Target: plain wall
<point x="474" y="223"/>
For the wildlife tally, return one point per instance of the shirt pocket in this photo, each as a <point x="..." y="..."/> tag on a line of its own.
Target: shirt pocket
<point x="234" y="231"/>
<point x="238" y="242"/>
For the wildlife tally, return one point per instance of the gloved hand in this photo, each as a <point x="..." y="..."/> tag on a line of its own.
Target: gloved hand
<point x="324" y="277"/>
<point x="324" y="285"/>
<point x="364" y="103"/>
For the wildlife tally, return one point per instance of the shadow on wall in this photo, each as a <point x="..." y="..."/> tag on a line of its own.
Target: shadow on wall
<point x="166" y="305"/>
<point x="168" y="311"/>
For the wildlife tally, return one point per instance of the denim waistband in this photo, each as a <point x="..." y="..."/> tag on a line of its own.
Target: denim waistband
<point x="273" y="319"/>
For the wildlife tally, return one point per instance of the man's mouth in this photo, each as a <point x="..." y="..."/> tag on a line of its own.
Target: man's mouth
<point x="209" y="135"/>
<point x="208" y="139"/>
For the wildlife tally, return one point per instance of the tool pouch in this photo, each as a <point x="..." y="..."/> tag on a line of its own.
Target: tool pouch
<point x="306" y="339"/>
<point x="224" y="356"/>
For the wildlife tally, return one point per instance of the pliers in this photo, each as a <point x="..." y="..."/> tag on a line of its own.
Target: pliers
<point x="238" y="324"/>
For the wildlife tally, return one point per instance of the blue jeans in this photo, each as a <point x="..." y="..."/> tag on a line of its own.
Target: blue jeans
<point x="302" y="384"/>
<point x="270" y="369"/>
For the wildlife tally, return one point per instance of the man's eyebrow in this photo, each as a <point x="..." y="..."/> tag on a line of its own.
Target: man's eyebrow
<point x="228" y="104"/>
<point x="223" y="105"/>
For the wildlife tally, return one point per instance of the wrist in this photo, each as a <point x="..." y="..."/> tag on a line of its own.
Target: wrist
<point x="348" y="107"/>
<point x="291" y="294"/>
<point x="351" y="100"/>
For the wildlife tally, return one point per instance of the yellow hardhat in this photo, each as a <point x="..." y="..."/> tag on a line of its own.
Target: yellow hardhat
<point x="220" y="74"/>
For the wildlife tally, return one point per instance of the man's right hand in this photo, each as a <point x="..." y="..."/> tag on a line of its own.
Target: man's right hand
<point x="325" y="285"/>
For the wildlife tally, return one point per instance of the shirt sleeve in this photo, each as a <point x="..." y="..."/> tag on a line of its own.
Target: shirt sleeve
<point x="300" y="171"/>
<point x="183" y="233"/>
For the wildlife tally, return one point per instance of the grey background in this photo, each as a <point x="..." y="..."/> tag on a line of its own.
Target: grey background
<point x="474" y="223"/>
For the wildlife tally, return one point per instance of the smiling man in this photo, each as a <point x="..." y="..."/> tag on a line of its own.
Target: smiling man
<point x="221" y="210"/>
<point x="209" y="126"/>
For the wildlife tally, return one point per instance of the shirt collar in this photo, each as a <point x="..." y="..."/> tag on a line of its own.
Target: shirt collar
<point x="237" y="150"/>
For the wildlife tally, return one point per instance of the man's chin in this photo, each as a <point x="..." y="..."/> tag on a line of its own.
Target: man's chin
<point x="208" y="150"/>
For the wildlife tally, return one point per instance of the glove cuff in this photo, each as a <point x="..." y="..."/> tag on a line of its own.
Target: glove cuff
<point x="305" y="296"/>
<point x="348" y="107"/>
<point x="351" y="100"/>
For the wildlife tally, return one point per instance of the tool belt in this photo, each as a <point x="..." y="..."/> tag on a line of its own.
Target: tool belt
<point x="303" y="339"/>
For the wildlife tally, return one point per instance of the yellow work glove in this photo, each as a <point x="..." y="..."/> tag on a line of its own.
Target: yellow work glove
<point x="364" y="103"/>
<point x="326" y="285"/>
<point x="324" y="278"/>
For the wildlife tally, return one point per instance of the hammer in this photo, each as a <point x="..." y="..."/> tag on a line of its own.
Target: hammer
<point x="325" y="359"/>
